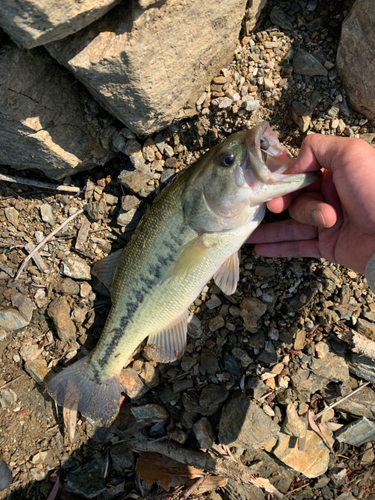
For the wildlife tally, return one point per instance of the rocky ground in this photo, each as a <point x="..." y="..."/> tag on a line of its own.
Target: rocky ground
<point x="257" y="362"/>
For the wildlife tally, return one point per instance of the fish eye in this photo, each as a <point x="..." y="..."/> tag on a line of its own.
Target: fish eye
<point x="227" y="159"/>
<point x="264" y="143"/>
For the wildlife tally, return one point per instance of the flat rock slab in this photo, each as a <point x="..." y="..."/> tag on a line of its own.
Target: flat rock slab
<point x="244" y="424"/>
<point x="312" y="461"/>
<point x="357" y="433"/>
<point x="35" y="22"/>
<point x="44" y="124"/>
<point x="355" y="57"/>
<point x="149" y="67"/>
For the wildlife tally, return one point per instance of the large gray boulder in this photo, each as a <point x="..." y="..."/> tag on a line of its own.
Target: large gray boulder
<point x="35" y="22"/>
<point x="356" y="56"/>
<point x="44" y="123"/>
<point x="148" y="67"/>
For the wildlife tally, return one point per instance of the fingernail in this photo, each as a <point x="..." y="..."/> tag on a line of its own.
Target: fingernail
<point x="318" y="217"/>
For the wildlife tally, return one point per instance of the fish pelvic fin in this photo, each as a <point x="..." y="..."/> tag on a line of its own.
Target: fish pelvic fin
<point x="169" y="344"/>
<point x="77" y="388"/>
<point x="226" y="278"/>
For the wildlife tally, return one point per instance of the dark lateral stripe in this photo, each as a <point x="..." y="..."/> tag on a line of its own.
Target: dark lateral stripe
<point x="154" y="270"/>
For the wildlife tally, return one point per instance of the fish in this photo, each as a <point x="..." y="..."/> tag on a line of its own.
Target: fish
<point x="5" y="475"/>
<point x="192" y="233"/>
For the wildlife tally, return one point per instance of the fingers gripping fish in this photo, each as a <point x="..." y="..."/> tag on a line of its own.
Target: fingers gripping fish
<point x="191" y="233"/>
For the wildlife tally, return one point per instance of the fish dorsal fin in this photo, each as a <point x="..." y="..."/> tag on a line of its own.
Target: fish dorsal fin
<point x="192" y="256"/>
<point x="169" y="344"/>
<point x="105" y="268"/>
<point x="226" y="278"/>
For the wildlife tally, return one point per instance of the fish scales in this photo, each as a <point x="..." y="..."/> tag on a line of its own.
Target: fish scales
<point x="191" y="233"/>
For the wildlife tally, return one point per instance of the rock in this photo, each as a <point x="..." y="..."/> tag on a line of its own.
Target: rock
<point x="24" y="305"/>
<point x="209" y="361"/>
<point x="242" y="356"/>
<point x="178" y="435"/>
<point x="59" y="311"/>
<point x="12" y="215"/>
<point x="150" y="413"/>
<point x="299" y="340"/>
<point x="244" y="424"/>
<point x="129" y="201"/>
<point x="122" y="457"/>
<point x="212" y="394"/>
<point x="213" y="302"/>
<point x="250" y="104"/>
<point x="12" y="320"/>
<point x="253" y="12"/>
<point x="30" y="352"/>
<point x="280" y="18"/>
<point x="77" y="482"/>
<point x="38" y="22"/>
<point x="264" y="270"/>
<point x="216" y="323"/>
<point x="366" y="328"/>
<point x="368" y="455"/>
<point x="312" y="461"/>
<point x="292" y="424"/>
<point x="135" y="180"/>
<point x="301" y="115"/>
<point x="46" y="214"/>
<point x="251" y="310"/>
<point x="321" y="349"/>
<point x="132" y="217"/>
<point x="183" y="385"/>
<point x="131" y="383"/>
<point x="75" y="267"/>
<point x="195" y="327"/>
<point x="186" y="33"/>
<point x="204" y="433"/>
<point x="332" y="367"/>
<point x="44" y="123"/>
<point x="357" y="433"/>
<point x="354" y="57"/>
<point x="306" y="64"/>
<point x="328" y="316"/>
<point x="150" y="375"/>
<point x="362" y="366"/>
<point x="68" y="287"/>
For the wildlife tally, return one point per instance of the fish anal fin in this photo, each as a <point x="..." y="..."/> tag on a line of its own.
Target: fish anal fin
<point x="191" y="256"/>
<point x="169" y="344"/>
<point x="77" y="388"/>
<point x="105" y="268"/>
<point x="226" y="278"/>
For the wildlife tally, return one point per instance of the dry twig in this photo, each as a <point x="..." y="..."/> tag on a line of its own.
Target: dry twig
<point x="11" y="381"/>
<point x="45" y="240"/>
<point x="44" y="185"/>
<point x="340" y="400"/>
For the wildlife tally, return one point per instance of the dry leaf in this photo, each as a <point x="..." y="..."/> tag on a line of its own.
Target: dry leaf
<point x="212" y="483"/>
<point x="267" y="486"/>
<point x="153" y="467"/>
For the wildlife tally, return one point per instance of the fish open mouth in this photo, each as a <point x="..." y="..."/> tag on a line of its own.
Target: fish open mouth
<point x="266" y="163"/>
<point x="267" y="157"/>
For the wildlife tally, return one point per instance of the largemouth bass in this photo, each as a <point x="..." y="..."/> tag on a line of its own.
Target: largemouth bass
<point x="191" y="233"/>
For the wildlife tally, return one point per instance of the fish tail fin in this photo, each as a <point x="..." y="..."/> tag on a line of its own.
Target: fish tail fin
<point x="77" y="388"/>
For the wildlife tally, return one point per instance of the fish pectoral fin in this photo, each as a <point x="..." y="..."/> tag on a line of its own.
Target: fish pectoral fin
<point x="226" y="278"/>
<point x="169" y="344"/>
<point x="191" y="256"/>
<point x="105" y="268"/>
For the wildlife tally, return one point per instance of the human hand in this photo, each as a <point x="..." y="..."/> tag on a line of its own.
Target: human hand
<point x="333" y="218"/>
